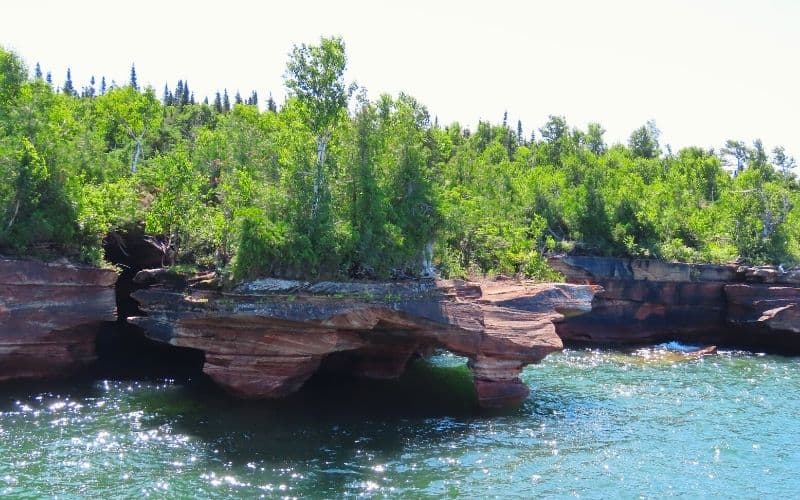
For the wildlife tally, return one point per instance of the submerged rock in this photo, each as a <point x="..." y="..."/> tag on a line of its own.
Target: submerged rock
<point x="50" y="315"/>
<point x="650" y="301"/>
<point x="269" y="336"/>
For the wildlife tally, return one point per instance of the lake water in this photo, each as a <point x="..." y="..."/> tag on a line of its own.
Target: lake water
<point x="597" y="424"/>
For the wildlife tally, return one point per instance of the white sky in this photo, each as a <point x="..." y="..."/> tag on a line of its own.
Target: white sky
<point x="706" y="71"/>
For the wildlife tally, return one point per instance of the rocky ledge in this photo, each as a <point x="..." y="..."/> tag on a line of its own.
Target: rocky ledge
<point x="646" y="301"/>
<point x="267" y="337"/>
<point x="50" y="315"/>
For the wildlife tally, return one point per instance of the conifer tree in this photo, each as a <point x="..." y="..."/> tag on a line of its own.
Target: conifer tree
<point x="505" y="119"/>
<point x="271" y="104"/>
<point x="226" y="101"/>
<point x="254" y="98"/>
<point x="167" y="96"/>
<point x="191" y="99"/>
<point x="185" y="95"/>
<point x="69" y="89"/>
<point x="49" y="79"/>
<point x="519" y="132"/>
<point x="205" y="100"/>
<point x="92" y="82"/>
<point x="37" y="73"/>
<point x="218" y="103"/>
<point x="178" y="91"/>
<point x="102" y="85"/>
<point x="237" y="98"/>
<point x="133" y="81"/>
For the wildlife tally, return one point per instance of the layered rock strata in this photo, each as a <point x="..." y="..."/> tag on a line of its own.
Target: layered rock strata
<point x="50" y="315"/>
<point x="645" y="301"/>
<point x="269" y="336"/>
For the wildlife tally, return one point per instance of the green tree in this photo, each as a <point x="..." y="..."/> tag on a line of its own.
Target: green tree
<point x="69" y="89"/>
<point x="555" y="129"/>
<point x="218" y="103"/>
<point x="133" y="82"/>
<point x="735" y="153"/>
<point x="12" y="78"/>
<point x="594" y="138"/>
<point x="315" y="75"/>
<point x="226" y="101"/>
<point x="643" y="142"/>
<point x="782" y="161"/>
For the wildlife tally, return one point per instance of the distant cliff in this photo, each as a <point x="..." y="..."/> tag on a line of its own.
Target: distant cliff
<point x="645" y="301"/>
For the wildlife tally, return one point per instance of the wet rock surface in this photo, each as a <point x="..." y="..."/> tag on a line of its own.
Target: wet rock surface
<point x="269" y="336"/>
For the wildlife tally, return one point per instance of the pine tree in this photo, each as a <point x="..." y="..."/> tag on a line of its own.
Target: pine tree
<point x="205" y="100"/>
<point x="92" y="82"/>
<point x="519" y="132"/>
<point x="49" y="79"/>
<point x="218" y="103"/>
<point x="237" y="98"/>
<point x="68" y="88"/>
<point x="185" y="95"/>
<point x="102" y="85"/>
<point x="134" y="83"/>
<point x="253" y="99"/>
<point x="167" y="96"/>
<point x="37" y="73"/>
<point x="271" y="104"/>
<point x="505" y="119"/>
<point x="179" y="92"/>
<point x="226" y="101"/>
<point x="191" y="99"/>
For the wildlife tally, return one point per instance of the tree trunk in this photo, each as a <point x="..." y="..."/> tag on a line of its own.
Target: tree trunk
<point x="136" y="154"/>
<point x="427" y="261"/>
<point x="13" y="216"/>
<point x="322" y="147"/>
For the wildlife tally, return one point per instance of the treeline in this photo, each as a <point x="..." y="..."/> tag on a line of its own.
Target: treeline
<point x="334" y="184"/>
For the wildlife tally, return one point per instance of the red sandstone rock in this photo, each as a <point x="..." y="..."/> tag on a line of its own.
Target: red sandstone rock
<point x="647" y="301"/>
<point x="267" y="339"/>
<point x="764" y="307"/>
<point x="50" y="315"/>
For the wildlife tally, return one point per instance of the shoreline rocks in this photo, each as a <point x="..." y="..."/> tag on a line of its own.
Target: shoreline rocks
<point x="650" y="301"/>
<point x="50" y="315"/>
<point x="269" y="336"/>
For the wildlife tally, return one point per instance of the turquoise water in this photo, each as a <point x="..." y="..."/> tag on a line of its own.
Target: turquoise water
<point x="598" y="424"/>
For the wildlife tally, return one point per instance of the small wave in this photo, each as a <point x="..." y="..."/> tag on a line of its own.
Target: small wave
<point x="679" y="347"/>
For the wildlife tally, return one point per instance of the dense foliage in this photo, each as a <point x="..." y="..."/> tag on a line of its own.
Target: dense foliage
<point x="333" y="184"/>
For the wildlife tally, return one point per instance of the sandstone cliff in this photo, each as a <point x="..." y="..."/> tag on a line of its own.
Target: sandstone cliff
<point x="50" y="315"/>
<point x="645" y="301"/>
<point x="269" y="336"/>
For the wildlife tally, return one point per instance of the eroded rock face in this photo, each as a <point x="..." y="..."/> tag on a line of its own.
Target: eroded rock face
<point x="645" y="301"/>
<point x="269" y="336"/>
<point x="50" y="315"/>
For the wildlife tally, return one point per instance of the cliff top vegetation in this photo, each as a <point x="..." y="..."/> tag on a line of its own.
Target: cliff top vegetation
<point x="331" y="183"/>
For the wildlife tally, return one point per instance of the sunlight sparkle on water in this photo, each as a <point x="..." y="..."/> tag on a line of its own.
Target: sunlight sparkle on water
<point x="597" y="424"/>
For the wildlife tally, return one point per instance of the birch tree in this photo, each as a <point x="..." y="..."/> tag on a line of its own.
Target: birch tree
<point x="315" y="75"/>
